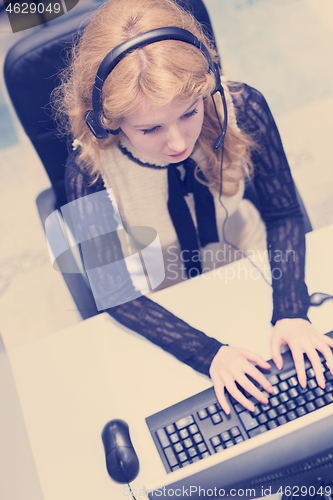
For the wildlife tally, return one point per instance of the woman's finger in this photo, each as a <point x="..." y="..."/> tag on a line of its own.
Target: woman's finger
<point x="327" y="352"/>
<point x="260" y="378"/>
<point x="299" y="365"/>
<point x="317" y="367"/>
<point x="220" y="395"/>
<point x="276" y="353"/>
<point x="236" y="393"/>
<point x="256" y="358"/>
<point x="252" y="389"/>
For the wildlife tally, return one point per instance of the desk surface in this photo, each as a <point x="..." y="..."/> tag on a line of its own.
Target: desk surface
<point x="71" y="383"/>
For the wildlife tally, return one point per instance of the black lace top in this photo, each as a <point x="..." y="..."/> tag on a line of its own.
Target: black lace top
<point x="280" y="211"/>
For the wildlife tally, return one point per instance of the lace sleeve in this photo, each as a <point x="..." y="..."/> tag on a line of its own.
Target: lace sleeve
<point x="142" y="315"/>
<point x="278" y="206"/>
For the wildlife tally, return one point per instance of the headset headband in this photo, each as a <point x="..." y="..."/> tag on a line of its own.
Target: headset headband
<point x="93" y="118"/>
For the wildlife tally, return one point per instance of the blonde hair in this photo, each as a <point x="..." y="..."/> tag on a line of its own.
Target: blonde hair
<point x="159" y="72"/>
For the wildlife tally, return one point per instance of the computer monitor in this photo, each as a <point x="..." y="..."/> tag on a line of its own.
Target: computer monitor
<point x="295" y="460"/>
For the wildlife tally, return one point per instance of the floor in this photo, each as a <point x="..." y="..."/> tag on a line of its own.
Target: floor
<point x="282" y="47"/>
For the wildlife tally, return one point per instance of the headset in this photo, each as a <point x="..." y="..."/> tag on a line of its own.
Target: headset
<point x="110" y="61"/>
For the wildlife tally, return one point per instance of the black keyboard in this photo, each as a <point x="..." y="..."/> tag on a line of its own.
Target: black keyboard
<point x="205" y="429"/>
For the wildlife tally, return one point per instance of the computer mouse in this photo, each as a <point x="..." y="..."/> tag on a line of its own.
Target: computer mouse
<point x="122" y="462"/>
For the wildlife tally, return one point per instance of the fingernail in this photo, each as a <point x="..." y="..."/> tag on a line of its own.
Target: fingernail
<point x="265" y="401"/>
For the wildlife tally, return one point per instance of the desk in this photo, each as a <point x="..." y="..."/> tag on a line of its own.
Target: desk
<point x="71" y="383"/>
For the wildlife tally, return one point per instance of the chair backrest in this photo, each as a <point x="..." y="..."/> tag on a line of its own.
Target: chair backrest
<point x="31" y="72"/>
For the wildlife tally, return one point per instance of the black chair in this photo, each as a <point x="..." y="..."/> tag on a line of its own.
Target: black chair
<point x="31" y="73"/>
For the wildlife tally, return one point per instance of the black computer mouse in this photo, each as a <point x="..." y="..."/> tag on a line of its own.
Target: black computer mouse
<point x="122" y="462"/>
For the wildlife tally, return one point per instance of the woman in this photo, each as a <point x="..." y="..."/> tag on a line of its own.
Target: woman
<point x="165" y="173"/>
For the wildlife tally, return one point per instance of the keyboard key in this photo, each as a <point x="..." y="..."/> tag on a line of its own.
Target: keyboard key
<point x="301" y="411"/>
<point x="283" y="386"/>
<point x="184" y="433"/>
<point x="281" y="409"/>
<point x="291" y="415"/>
<point x="272" y="424"/>
<point x="174" y="438"/>
<point x="202" y="414"/>
<point x="274" y="402"/>
<point x="195" y="459"/>
<point x="188" y="443"/>
<point x="291" y="405"/>
<point x="309" y="396"/>
<point x="301" y="390"/>
<point x="184" y="422"/>
<point x="320" y="402"/>
<point x="265" y="407"/>
<point x="234" y="431"/>
<point x="185" y="463"/>
<point x="300" y="401"/>
<point x="282" y="420"/>
<point x="225" y="436"/>
<point x="238" y="439"/>
<point x="273" y="379"/>
<point x="293" y="382"/>
<point x="247" y="420"/>
<point x="257" y="431"/>
<point x="178" y="447"/>
<point x="206" y="453"/>
<point x="215" y="440"/>
<point x="310" y="406"/>
<point x="329" y="387"/>
<point x="163" y="438"/>
<point x="238" y="407"/>
<point x="170" y="429"/>
<point x="329" y="398"/>
<point x="228" y="444"/>
<point x="293" y="393"/>
<point x="283" y="397"/>
<point x="328" y="375"/>
<point x="272" y="414"/>
<point x="310" y="373"/>
<point x="182" y="456"/>
<point x="202" y="447"/>
<point x="287" y="374"/>
<point x="216" y="419"/>
<point x="312" y="383"/>
<point x="219" y="448"/>
<point x="193" y="429"/>
<point x="256" y="411"/>
<point x="212" y="409"/>
<point x="276" y="390"/>
<point x="262" y="419"/>
<point x="197" y="438"/>
<point x="171" y="457"/>
<point x="319" y="392"/>
<point x="192" y="452"/>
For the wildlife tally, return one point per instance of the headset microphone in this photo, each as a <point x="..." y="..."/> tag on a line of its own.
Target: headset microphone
<point x="93" y="117"/>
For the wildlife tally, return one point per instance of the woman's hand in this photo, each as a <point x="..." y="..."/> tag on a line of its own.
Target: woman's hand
<point x="302" y="339"/>
<point x="231" y="365"/>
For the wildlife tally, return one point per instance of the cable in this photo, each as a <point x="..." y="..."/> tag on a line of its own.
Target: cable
<point x="316" y="299"/>
<point x="131" y="491"/>
<point x="226" y="210"/>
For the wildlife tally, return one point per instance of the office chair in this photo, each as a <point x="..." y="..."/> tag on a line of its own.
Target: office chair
<point x="31" y="69"/>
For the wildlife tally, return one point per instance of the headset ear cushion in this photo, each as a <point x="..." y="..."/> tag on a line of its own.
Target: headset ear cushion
<point x="95" y="127"/>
